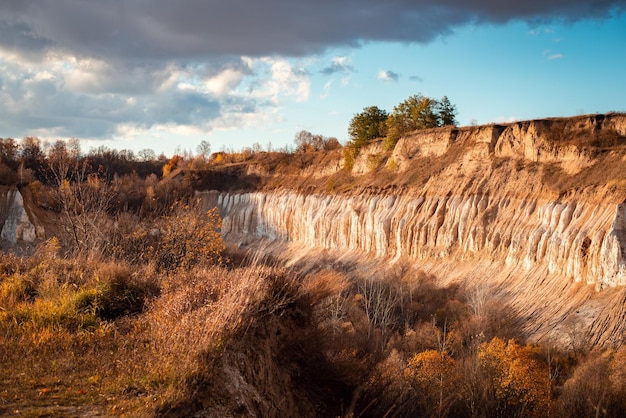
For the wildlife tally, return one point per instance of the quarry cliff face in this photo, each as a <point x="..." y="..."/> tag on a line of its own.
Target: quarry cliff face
<point x="527" y="208"/>
<point x="489" y="201"/>
<point x="17" y="223"/>
<point x="581" y="242"/>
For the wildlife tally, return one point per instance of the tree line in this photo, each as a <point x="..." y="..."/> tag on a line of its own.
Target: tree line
<point x="416" y="112"/>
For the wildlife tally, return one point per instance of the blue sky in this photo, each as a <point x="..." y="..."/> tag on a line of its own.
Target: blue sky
<point x="132" y="78"/>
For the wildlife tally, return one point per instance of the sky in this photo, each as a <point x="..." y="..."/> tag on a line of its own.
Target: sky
<point x="165" y="75"/>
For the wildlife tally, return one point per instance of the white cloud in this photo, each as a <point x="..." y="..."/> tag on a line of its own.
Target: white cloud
<point x="326" y="89"/>
<point x="276" y="78"/>
<point x="224" y="83"/>
<point x="555" y="57"/>
<point x="386" y="75"/>
<point x="342" y="60"/>
<point x="63" y="96"/>
<point x="505" y="119"/>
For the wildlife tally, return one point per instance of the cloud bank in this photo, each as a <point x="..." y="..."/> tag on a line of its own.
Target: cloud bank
<point x="191" y="29"/>
<point x="96" y="69"/>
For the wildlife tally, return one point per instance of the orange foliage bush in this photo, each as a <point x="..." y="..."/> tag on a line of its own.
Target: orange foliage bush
<point x="519" y="383"/>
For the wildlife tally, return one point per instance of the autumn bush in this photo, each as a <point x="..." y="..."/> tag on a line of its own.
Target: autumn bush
<point x="597" y="387"/>
<point x="184" y="237"/>
<point x="55" y="309"/>
<point x="445" y="352"/>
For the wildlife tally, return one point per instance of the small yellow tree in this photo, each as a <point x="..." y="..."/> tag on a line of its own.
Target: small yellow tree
<point x="520" y="383"/>
<point x="433" y="374"/>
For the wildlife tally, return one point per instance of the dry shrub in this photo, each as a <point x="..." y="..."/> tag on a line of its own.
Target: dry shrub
<point x="51" y="340"/>
<point x="183" y="238"/>
<point x="597" y="387"/>
<point x="199" y="311"/>
<point x="119" y="292"/>
<point x="389" y="389"/>
<point x="8" y="176"/>
<point x="324" y="286"/>
<point x="15" y="289"/>
<point x="227" y="340"/>
<point x="73" y="295"/>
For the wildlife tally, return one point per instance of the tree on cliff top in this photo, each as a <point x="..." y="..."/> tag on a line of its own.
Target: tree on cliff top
<point x="308" y="142"/>
<point x="367" y="125"/>
<point x="447" y="112"/>
<point x="418" y="112"/>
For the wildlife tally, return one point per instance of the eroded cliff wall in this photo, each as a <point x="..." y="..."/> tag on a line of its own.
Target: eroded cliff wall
<point x="533" y="209"/>
<point x="18" y="223"/>
<point x="582" y="242"/>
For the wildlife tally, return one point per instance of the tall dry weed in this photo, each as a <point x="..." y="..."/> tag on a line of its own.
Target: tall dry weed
<point x="200" y="310"/>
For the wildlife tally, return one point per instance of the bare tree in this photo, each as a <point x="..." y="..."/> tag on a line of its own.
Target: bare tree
<point x="380" y="301"/>
<point x="204" y="149"/>
<point x="146" y="154"/>
<point x="84" y="200"/>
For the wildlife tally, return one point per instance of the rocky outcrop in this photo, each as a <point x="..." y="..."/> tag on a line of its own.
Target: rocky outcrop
<point x="545" y="140"/>
<point x="18" y="224"/>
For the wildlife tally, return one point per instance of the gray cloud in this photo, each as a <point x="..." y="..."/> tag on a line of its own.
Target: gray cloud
<point x="31" y="102"/>
<point x="191" y="29"/>
<point x="86" y="67"/>
<point x="18" y="36"/>
<point x="337" y="66"/>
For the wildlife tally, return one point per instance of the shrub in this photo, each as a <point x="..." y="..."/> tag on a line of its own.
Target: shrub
<point x="189" y="238"/>
<point x="373" y="161"/>
<point x="349" y="155"/>
<point x="63" y="312"/>
<point x="180" y="240"/>
<point x="15" y="289"/>
<point x="392" y="165"/>
<point x="118" y="293"/>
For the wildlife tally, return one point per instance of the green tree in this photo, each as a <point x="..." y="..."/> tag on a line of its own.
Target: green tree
<point x="416" y="112"/>
<point x="447" y="112"/>
<point x="367" y="125"/>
